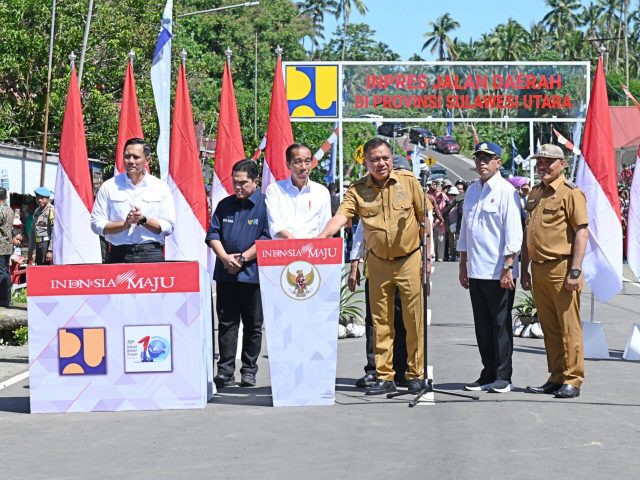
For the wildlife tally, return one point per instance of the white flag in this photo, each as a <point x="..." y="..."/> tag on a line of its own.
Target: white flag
<point x="161" y="84"/>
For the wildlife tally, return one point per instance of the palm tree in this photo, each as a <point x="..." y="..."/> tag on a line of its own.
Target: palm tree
<point x="510" y="42"/>
<point x="438" y="38"/>
<point x="343" y="8"/>
<point x="315" y="10"/>
<point x="591" y="18"/>
<point x="562" y="16"/>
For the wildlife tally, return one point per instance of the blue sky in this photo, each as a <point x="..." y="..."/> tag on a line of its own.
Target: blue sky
<point x="401" y="24"/>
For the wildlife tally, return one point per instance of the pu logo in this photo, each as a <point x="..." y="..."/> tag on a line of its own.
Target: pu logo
<point x="82" y="351"/>
<point x="312" y="90"/>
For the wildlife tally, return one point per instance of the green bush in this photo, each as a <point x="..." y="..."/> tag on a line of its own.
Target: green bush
<point x="20" y="335"/>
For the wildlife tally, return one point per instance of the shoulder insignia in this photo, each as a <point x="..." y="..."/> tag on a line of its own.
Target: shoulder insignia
<point x="570" y="184"/>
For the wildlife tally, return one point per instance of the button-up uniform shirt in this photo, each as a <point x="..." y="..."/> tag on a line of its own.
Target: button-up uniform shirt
<point x="303" y="212"/>
<point x="42" y="226"/>
<point x="6" y="225"/>
<point x="390" y="214"/>
<point x="119" y="195"/>
<point x="237" y="225"/>
<point x="491" y="227"/>
<point x="555" y="213"/>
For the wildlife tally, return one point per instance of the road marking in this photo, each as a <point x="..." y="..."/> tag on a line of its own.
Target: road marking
<point x="542" y="449"/>
<point x="465" y="159"/>
<point x="16" y="379"/>
<point x="635" y="284"/>
<point x="459" y="177"/>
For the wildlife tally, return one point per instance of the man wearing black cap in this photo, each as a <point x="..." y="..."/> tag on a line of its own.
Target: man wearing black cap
<point x="40" y="245"/>
<point x="490" y="240"/>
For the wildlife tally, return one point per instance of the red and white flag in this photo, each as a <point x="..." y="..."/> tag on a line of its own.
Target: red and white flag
<point x="279" y="133"/>
<point x="74" y="241"/>
<point x="633" y="216"/>
<point x="596" y="176"/>
<point x="562" y="140"/>
<point x="229" y="147"/>
<point x="633" y="221"/>
<point x="130" y="126"/>
<point x="186" y="185"/>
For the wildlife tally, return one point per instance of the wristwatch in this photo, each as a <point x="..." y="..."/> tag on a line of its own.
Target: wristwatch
<point x="507" y="266"/>
<point x="242" y="260"/>
<point x="574" y="273"/>
<point x="142" y="221"/>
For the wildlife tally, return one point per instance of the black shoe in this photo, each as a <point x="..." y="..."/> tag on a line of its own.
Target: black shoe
<point x="401" y="381"/>
<point x="248" y="380"/>
<point x="482" y="384"/>
<point x="381" y="387"/>
<point x="547" y="388"/>
<point x="366" y="381"/>
<point x="567" y="391"/>
<point x="224" y="380"/>
<point x="415" y="385"/>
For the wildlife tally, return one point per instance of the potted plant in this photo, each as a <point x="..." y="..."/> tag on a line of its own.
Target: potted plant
<point x="525" y="318"/>
<point x="351" y="317"/>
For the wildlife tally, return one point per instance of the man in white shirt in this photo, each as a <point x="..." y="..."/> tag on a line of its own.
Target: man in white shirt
<point x="134" y="211"/>
<point x="490" y="240"/>
<point x="297" y="207"/>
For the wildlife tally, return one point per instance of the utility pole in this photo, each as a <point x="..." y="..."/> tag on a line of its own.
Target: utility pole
<point x="48" y="99"/>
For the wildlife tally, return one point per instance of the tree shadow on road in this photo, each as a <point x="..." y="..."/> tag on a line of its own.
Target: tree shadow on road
<point x="15" y="404"/>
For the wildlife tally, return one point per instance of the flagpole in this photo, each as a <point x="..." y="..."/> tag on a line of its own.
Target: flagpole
<point x="85" y="40"/>
<point x="531" y="151"/>
<point x="43" y="165"/>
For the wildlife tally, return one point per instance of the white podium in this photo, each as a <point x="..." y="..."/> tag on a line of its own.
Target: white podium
<point x="300" y="288"/>
<point x="119" y="337"/>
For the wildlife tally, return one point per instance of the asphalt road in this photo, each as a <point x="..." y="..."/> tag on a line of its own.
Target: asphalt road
<point x="239" y="435"/>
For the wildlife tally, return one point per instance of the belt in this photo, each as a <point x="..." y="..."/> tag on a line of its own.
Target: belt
<point x="42" y="239"/>
<point x="396" y="258"/>
<point x="141" y="247"/>
<point x="540" y="262"/>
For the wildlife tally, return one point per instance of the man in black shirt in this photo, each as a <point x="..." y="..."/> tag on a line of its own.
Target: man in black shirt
<point x="238" y="221"/>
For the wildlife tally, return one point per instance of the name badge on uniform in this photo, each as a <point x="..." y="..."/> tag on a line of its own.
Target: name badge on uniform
<point x="227" y="220"/>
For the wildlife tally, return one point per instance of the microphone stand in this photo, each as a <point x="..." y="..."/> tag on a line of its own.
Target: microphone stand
<point x="427" y="383"/>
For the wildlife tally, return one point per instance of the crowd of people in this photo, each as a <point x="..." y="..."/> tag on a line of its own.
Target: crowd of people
<point x="496" y="233"/>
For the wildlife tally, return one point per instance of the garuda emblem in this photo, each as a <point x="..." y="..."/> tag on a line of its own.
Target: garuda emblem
<point x="300" y="282"/>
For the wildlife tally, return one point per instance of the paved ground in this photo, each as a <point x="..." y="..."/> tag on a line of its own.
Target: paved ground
<point x="239" y="435"/>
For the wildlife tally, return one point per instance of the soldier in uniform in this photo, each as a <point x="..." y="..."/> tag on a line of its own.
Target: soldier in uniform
<point x="555" y="241"/>
<point x="40" y="245"/>
<point x="391" y="206"/>
<point x="6" y="249"/>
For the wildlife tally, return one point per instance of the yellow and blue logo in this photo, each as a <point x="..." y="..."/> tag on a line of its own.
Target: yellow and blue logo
<point x="312" y="91"/>
<point x="82" y="351"/>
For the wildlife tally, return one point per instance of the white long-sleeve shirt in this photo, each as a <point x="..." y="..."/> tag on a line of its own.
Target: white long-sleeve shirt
<point x="491" y="227"/>
<point x="303" y="212"/>
<point x="118" y="196"/>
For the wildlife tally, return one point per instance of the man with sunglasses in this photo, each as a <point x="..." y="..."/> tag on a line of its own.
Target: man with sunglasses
<point x="489" y="243"/>
<point x="555" y="241"/>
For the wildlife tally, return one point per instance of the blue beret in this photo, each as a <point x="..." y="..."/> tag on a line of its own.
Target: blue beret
<point x="42" y="192"/>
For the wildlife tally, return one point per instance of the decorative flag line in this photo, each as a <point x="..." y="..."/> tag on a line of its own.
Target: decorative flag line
<point x="566" y="143"/>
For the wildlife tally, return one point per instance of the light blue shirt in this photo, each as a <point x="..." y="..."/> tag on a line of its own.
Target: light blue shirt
<point x="491" y="227"/>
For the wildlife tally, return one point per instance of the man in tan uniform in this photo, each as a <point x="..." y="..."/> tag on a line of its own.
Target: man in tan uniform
<point x="555" y="240"/>
<point x="391" y="206"/>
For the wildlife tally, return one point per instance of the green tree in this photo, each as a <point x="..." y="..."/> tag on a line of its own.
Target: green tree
<point x="563" y="15"/>
<point x="343" y="9"/>
<point x="438" y="38"/>
<point x="315" y="10"/>
<point x="359" y="45"/>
